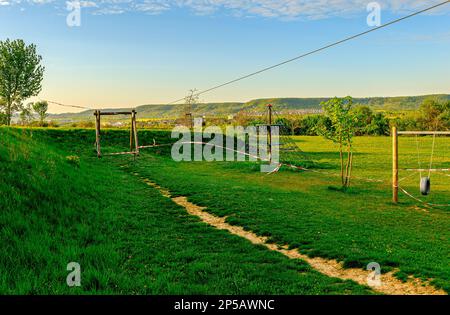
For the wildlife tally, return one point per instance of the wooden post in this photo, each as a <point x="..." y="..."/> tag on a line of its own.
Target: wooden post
<point x="189" y="121"/>
<point x="394" y="165"/>
<point x="135" y="132"/>
<point x="270" y="131"/>
<point x="131" y="133"/>
<point x="97" y="132"/>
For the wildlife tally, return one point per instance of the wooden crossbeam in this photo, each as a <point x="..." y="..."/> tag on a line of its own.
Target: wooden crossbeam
<point x="115" y="113"/>
<point x="121" y="153"/>
<point x="423" y="133"/>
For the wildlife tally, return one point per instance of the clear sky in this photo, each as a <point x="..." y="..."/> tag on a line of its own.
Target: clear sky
<point x="127" y="53"/>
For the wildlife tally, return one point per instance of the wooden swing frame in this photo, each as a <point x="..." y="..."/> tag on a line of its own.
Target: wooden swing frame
<point x="395" y="133"/>
<point x="134" y="146"/>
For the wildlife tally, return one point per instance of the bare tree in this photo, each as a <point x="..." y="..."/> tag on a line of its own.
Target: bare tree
<point x="190" y="100"/>
<point x="26" y="115"/>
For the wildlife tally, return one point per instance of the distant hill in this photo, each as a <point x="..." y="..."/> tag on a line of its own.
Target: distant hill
<point x="281" y="104"/>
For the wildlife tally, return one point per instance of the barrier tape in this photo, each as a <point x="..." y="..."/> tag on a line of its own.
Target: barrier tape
<point x="426" y="170"/>
<point x="421" y="201"/>
<point x="304" y="169"/>
<point x="266" y="160"/>
<point x="120" y="153"/>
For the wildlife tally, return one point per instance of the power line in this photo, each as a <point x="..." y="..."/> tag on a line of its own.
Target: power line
<point x="67" y="105"/>
<point x="286" y="61"/>
<point x="315" y="51"/>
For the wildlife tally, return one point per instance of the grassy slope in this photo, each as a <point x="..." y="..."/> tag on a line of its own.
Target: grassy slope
<point x="127" y="238"/>
<point x="301" y="210"/>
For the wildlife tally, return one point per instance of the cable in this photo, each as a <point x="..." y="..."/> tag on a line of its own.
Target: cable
<point x="432" y="155"/>
<point x="289" y="60"/>
<point x="418" y="156"/>
<point x="421" y="201"/>
<point x="314" y="51"/>
<point x="66" y="105"/>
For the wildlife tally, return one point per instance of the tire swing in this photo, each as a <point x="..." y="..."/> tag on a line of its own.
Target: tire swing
<point x="425" y="181"/>
<point x="425" y="186"/>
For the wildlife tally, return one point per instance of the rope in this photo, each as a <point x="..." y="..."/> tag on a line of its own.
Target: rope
<point x="406" y="177"/>
<point x="265" y="160"/>
<point x="424" y="170"/>
<point x="305" y="169"/>
<point x="432" y="154"/>
<point x="418" y="155"/>
<point x="421" y="201"/>
<point x="66" y="105"/>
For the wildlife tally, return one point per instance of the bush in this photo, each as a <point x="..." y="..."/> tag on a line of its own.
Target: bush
<point x="73" y="160"/>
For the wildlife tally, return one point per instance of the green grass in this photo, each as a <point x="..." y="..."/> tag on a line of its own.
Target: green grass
<point x="308" y="211"/>
<point x="59" y="204"/>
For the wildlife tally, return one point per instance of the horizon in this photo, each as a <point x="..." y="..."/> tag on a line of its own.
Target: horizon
<point x="150" y="53"/>
<point x="245" y="102"/>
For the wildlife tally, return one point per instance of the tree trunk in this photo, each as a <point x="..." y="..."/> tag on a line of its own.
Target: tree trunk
<point x="8" y="113"/>
<point x="347" y="166"/>
<point x="351" y="168"/>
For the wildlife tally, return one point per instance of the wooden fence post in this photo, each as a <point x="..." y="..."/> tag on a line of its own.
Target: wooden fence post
<point x="135" y="132"/>
<point x="270" y="132"/>
<point x="97" y="132"/>
<point x="131" y="133"/>
<point x="394" y="165"/>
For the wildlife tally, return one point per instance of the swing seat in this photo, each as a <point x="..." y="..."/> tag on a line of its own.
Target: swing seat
<point x="425" y="186"/>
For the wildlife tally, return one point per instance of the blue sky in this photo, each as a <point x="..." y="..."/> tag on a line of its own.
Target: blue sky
<point x="127" y="53"/>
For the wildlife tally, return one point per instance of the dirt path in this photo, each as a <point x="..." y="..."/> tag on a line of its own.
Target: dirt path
<point x="329" y="267"/>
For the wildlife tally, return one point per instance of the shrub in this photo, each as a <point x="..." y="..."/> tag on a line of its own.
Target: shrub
<point x="73" y="160"/>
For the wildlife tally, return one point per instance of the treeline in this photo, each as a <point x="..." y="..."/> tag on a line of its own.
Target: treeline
<point x="433" y="114"/>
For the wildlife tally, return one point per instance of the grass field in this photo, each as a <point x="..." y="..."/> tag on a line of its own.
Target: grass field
<point x="130" y="239"/>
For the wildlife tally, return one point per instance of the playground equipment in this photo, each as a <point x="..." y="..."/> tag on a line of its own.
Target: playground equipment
<point x="134" y="146"/>
<point x="425" y="181"/>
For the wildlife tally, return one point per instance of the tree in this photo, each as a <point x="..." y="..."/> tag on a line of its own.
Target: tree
<point x="364" y="117"/>
<point x="341" y="131"/>
<point x="26" y="114"/>
<point x="379" y="126"/>
<point x="21" y="74"/>
<point x="190" y="101"/>
<point x="434" y="114"/>
<point x="311" y="123"/>
<point x="370" y="123"/>
<point x="2" y="114"/>
<point x="242" y="118"/>
<point x="294" y="122"/>
<point x="41" y="108"/>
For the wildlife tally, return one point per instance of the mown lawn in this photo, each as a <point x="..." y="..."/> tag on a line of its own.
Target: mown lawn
<point x="306" y="210"/>
<point x="127" y="238"/>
